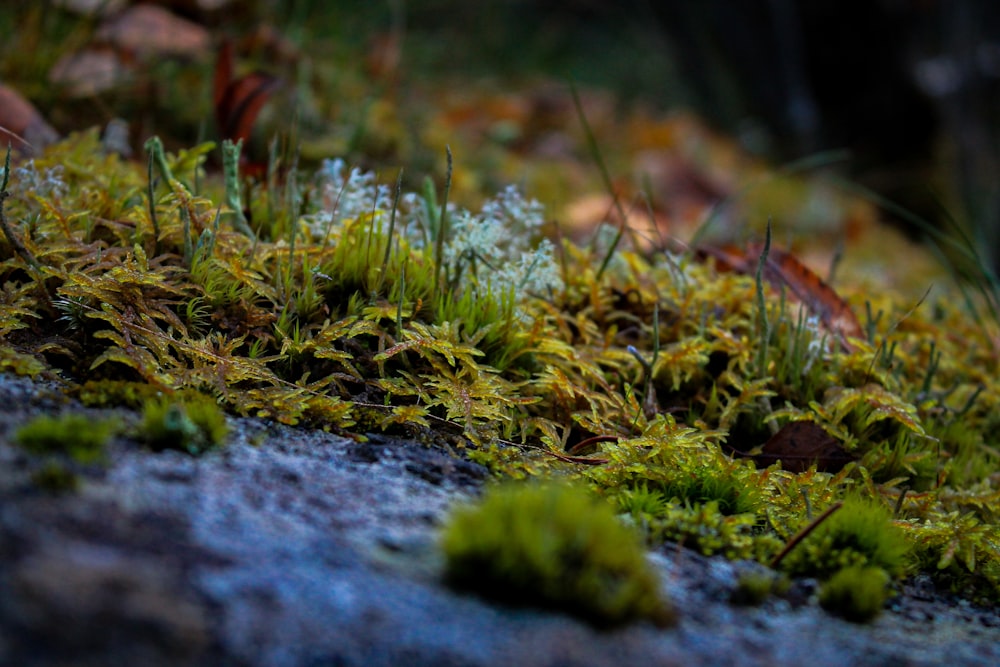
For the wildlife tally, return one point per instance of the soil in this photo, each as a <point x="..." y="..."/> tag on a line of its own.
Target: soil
<point x="299" y="547"/>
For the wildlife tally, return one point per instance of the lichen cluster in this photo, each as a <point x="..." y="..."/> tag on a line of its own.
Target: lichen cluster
<point x="652" y="377"/>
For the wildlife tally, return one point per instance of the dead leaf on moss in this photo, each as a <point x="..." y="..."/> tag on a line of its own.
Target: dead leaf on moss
<point x="800" y="444"/>
<point x="782" y="270"/>
<point x="238" y="100"/>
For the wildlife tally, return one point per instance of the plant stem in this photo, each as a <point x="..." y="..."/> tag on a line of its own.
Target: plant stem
<point x="442" y="227"/>
<point x="804" y="533"/>
<point x="15" y="242"/>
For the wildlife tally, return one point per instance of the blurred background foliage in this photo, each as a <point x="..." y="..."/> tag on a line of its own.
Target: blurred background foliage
<point x="907" y="88"/>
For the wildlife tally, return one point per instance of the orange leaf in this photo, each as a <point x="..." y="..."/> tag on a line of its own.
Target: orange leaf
<point x="783" y="270"/>
<point x="238" y="101"/>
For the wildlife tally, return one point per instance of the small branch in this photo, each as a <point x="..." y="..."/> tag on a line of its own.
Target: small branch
<point x="804" y="533"/>
<point x="12" y="238"/>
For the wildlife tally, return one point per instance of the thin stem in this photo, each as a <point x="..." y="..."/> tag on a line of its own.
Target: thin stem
<point x="15" y="242"/>
<point x="442" y="227"/>
<point x="804" y="533"/>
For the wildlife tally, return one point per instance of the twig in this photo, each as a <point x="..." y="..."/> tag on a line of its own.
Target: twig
<point x="804" y="533"/>
<point x="12" y="238"/>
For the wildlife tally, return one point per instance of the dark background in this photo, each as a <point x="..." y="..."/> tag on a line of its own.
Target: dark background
<point x="908" y="87"/>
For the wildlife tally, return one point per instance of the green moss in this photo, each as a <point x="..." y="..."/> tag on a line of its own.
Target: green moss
<point x="702" y="527"/>
<point x="54" y="477"/>
<point x="192" y="425"/>
<point x="78" y="436"/>
<point x="115" y="393"/>
<point x="859" y="534"/>
<point x="856" y="593"/>
<point x="554" y="547"/>
<point x="754" y="587"/>
<point x="18" y="363"/>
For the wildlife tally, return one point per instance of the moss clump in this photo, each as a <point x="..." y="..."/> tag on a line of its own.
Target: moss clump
<point x="861" y="533"/>
<point x="554" y="547"/>
<point x="115" y="393"/>
<point x="78" y="436"/>
<point x="856" y="593"/>
<point x="753" y="587"/>
<point x="701" y="527"/>
<point x="55" y="478"/>
<point x="192" y="426"/>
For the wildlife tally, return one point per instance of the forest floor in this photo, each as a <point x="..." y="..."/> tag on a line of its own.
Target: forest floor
<point x="307" y="546"/>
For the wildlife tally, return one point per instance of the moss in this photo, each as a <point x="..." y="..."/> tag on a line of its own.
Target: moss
<point x="860" y="534"/>
<point x="114" y="393"/>
<point x="78" y="436"/>
<point x="755" y="586"/>
<point x="20" y="364"/>
<point x="554" y="547"/>
<point x="54" y="477"/>
<point x="335" y="312"/>
<point x="702" y="527"/>
<point x="192" y="425"/>
<point x="856" y="593"/>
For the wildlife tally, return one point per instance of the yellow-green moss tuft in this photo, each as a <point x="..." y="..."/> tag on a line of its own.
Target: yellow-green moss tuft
<point x="856" y="593"/>
<point x="860" y="534"/>
<point x="192" y="426"/>
<point x="554" y="547"/>
<point x="78" y="436"/>
<point x="754" y="587"/>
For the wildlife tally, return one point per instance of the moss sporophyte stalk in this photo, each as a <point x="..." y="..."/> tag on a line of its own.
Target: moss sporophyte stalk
<point x="653" y="378"/>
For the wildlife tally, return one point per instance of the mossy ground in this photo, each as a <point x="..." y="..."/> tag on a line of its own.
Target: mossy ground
<point x="335" y="301"/>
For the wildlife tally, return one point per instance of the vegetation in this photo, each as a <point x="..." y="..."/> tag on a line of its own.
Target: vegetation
<point x="76" y="436"/>
<point x="193" y="425"/>
<point x="856" y="593"/>
<point x="556" y="547"/>
<point x="658" y="375"/>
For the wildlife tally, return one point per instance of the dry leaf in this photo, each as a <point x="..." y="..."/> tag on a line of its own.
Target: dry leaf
<point x="237" y="101"/>
<point x="799" y="445"/>
<point x="783" y="271"/>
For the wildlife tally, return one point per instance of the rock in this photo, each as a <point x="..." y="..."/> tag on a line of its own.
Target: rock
<point x="73" y="600"/>
<point x="296" y="547"/>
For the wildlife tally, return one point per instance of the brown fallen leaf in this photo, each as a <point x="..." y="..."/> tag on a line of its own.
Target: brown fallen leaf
<point x="801" y="444"/>
<point x="238" y="100"/>
<point x="782" y="270"/>
<point x="21" y="125"/>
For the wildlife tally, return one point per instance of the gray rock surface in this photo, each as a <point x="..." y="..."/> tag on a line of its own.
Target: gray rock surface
<point x="297" y="547"/>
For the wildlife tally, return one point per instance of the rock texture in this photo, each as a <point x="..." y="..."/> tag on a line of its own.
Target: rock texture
<point x="295" y="547"/>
